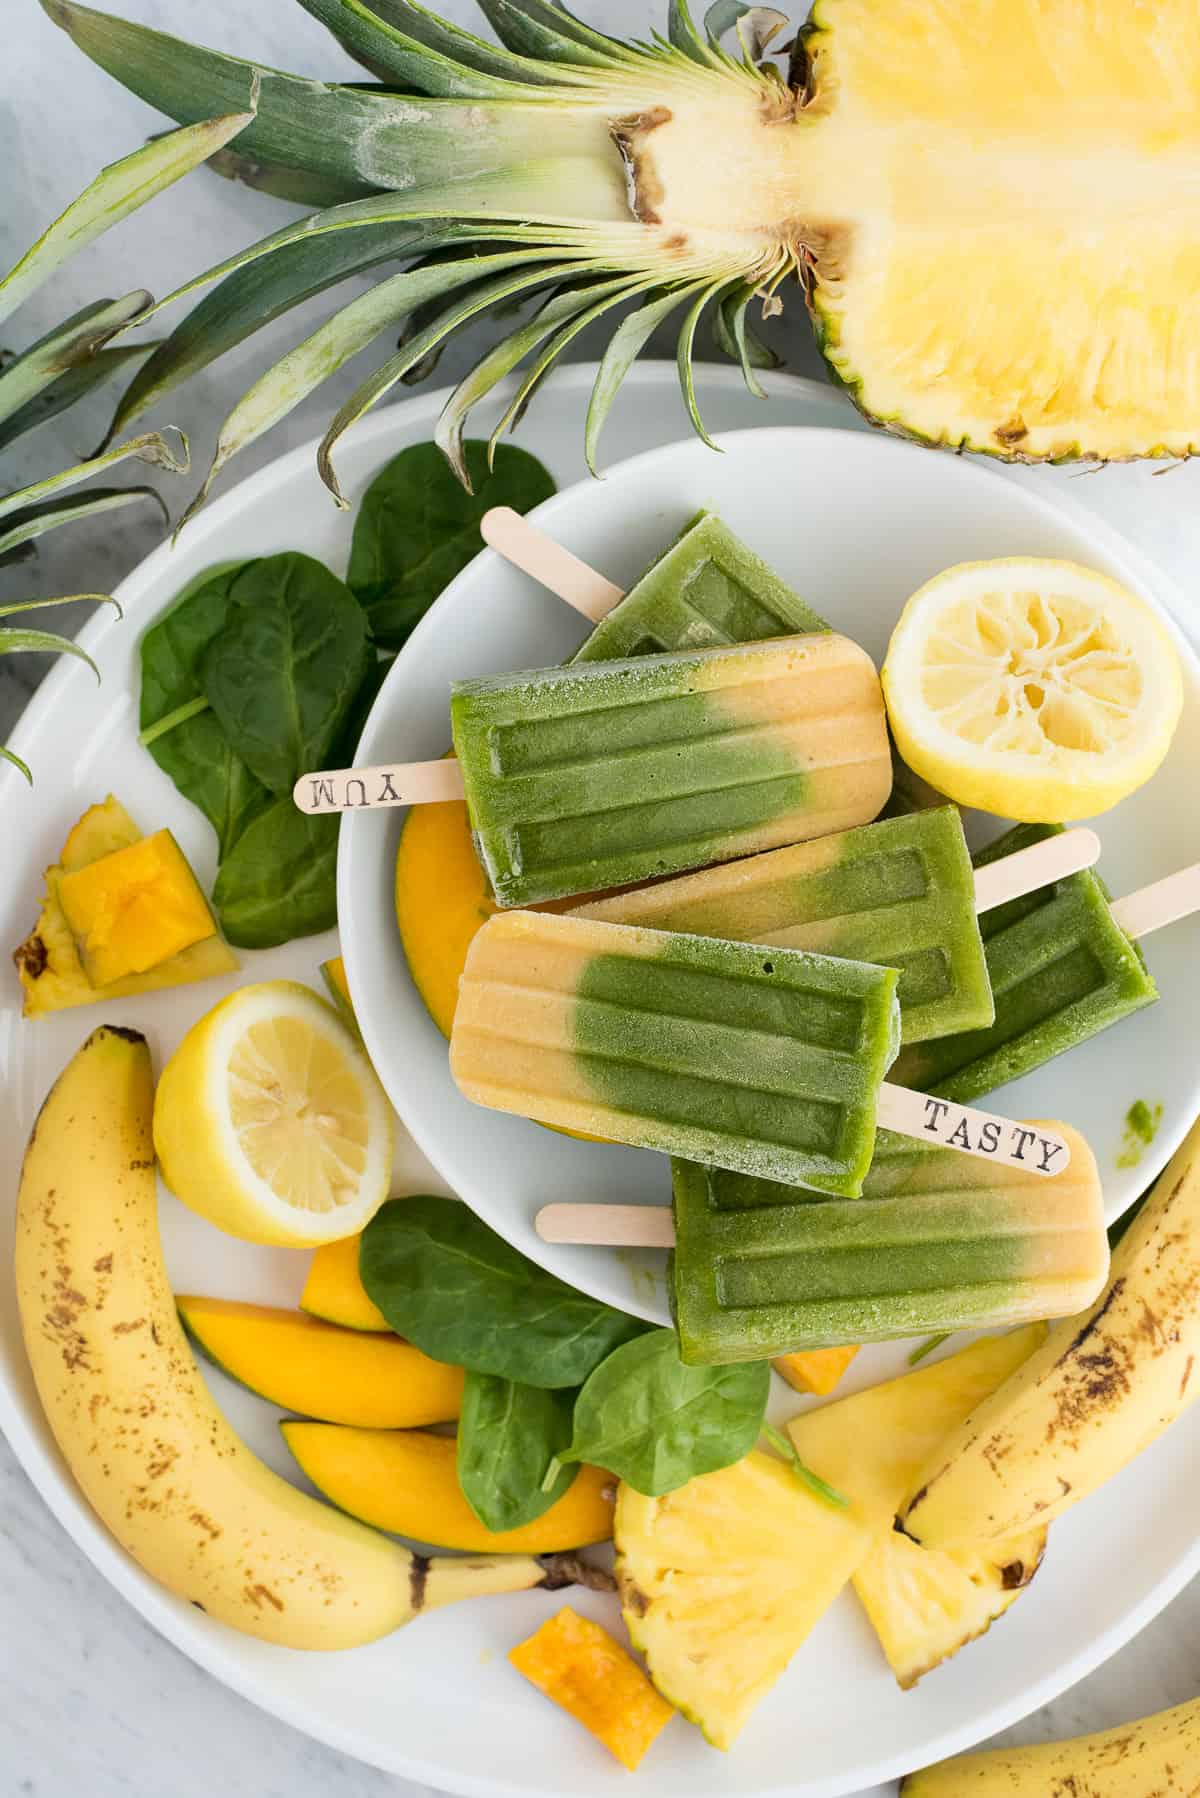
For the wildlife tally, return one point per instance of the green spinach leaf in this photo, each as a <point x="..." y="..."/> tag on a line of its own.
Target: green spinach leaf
<point x="279" y="880"/>
<point x="282" y="673"/>
<point x="195" y="752"/>
<point x="657" y="1423"/>
<point x="417" y="527"/>
<point x="508" y="1434"/>
<point x="447" y="1282"/>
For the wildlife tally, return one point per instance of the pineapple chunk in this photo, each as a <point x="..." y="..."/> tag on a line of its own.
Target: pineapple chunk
<point x="926" y="1603"/>
<point x="814" y="1370"/>
<point x="722" y="1580"/>
<point x="873" y="1445"/>
<point x="48" y="963"/>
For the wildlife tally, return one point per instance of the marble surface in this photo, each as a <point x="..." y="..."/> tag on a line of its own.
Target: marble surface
<point x="94" y="1700"/>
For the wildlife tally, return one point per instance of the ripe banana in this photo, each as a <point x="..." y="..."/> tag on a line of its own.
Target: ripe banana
<point x="1099" y="1390"/>
<point x="1158" y="1757"/>
<point x="135" y="1421"/>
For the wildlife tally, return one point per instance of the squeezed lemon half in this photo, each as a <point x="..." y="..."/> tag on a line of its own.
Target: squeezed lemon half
<point x="270" y="1122"/>
<point x="1037" y="689"/>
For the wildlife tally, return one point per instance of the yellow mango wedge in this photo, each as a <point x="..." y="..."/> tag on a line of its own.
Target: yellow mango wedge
<point x="406" y="1481"/>
<point x="814" y="1370"/>
<point x="334" y="1292"/>
<point x="339" y="1376"/>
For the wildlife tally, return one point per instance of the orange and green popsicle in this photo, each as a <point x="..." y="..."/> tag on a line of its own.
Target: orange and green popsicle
<point x="764" y="1061"/>
<point x="900" y="892"/>
<point x="599" y="774"/>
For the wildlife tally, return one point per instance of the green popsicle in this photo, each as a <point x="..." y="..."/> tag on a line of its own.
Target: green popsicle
<point x="707" y="587"/>
<point x="938" y="1241"/>
<point x="900" y="892"/>
<point x="599" y="774"/>
<point x="1061" y="970"/>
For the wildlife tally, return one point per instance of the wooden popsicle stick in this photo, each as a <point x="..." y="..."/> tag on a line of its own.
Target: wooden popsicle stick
<point x="616" y="1226"/>
<point x="539" y="556"/>
<point x="1164" y="902"/>
<point x="393" y="783"/>
<point x="983" y="1134"/>
<point x="1027" y="869"/>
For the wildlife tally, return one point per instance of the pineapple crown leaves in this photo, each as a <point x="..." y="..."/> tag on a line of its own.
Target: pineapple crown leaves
<point x="497" y="172"/>
<point x="76" y="356"/>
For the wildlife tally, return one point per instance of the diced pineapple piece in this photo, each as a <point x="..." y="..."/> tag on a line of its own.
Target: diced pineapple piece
<point x="926" y="1603"/>
<point x="814" y="1370"/>
<point x="722" y="1580"/>
<point x="134" y="908"/>
<point x="579" y="1666"/>
<point x="48" y="964"/>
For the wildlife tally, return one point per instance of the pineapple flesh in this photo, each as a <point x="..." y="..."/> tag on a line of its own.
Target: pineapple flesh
<point x="990" y="205"/>
<point x="722" y="1580"/>
<point x="923" y="1605"/>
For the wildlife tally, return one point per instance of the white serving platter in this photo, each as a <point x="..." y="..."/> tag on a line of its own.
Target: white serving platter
<point x="437" y="1703"/>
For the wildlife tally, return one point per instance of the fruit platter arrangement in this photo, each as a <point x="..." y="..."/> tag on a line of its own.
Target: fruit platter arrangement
<point x="717" y="889"/>
<point x="685" y="892"/>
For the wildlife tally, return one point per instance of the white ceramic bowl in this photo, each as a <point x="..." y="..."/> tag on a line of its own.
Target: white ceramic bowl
<point x="856" y="523"/>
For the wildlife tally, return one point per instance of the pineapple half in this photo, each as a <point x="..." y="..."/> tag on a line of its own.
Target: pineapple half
<point x="991" y="206"/>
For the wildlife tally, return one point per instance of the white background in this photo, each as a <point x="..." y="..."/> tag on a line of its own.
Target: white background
<point x="94" y="1702"/>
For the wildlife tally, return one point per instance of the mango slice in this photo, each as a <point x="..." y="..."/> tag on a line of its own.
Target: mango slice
<point x="442" y="899"/>
<point x="48" y="965"/>
<point x="578" y="1666"/>
<point x="134" y="908"/>
<point x="814" y="1370"/>
<point x="340" y="1376"/>
<point x="334" y="1292"/>
<point x="406" y="1481"/>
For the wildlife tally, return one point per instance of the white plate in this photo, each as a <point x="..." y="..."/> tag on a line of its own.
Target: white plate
<point x="437" y="1703"/>
<point x="855" y="523"/>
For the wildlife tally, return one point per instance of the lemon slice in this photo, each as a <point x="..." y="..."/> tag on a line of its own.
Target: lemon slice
<point x="1037" y="689"/>
<point x="270" y="1122"/>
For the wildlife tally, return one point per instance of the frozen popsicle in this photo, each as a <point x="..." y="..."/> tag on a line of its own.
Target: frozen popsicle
<point x="938" y="1241"/>
<point x="900" y="892"/>
<point x="767" y="1063"/>
<point x="1061" y="969"/>
<point x="603" y="773"/>
<point x="707" y="587"/>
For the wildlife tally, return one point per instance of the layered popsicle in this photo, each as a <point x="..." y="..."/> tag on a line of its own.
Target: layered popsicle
<point x="599" y="774"/>
<point x="1061" y="969"/>
<point x="769" y="1062"/>
<point x="938" y="1241"/>
<point x="900" y="892"/>
<point x="706" y="588"/>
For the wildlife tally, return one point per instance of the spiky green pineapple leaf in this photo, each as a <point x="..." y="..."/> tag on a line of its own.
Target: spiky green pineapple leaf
<point x="621" y="352"/>
<point x="548" y="33"/>
<point x="116" y="191"/>
<point x="297" y="186"/>
<point x="36" y="521"/>
<point x="455" y="44"/>
<point x="69" y="388"/>
<point x="152" y="447"/>
<point x="302" y="265"/>
<point x="321" y="354"/>
<point x="393" y="56"/>
<point x="76" y="340"/>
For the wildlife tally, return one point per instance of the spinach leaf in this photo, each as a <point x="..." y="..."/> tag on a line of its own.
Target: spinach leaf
<point x="446" y="1282"/>
<point x="279" y="880"/>
<point x="195" y="752"/>
<point x="508" y="1434"/>
<point x="416" y="527"/>
<point x="657" y="1423"/>
<point x="284" y="669"/>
